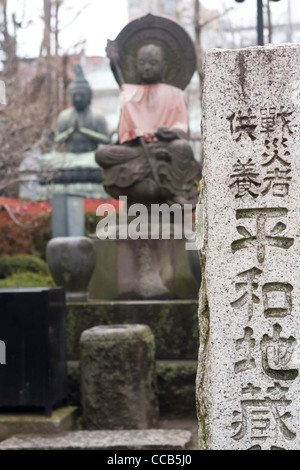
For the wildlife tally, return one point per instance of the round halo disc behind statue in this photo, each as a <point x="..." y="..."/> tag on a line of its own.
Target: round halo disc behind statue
<point x="178" y="48"/>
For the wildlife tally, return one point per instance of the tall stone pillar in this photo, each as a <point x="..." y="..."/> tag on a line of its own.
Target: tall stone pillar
<point x="248" y="383"/>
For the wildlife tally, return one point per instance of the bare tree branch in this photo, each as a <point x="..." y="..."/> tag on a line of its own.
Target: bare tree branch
<point x="77" y="15"/>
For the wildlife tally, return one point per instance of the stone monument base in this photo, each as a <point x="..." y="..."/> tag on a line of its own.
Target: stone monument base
<point x="144" y="269"/>
<point x="42" y="175"/>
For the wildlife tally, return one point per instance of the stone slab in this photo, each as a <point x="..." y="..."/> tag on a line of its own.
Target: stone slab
<point x="101" y="440"/>
<point x="62" y="419"/>
<point x="248" y="233"/>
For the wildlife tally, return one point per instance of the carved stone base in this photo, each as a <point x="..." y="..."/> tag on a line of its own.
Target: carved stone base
<point x="147" y="269"/>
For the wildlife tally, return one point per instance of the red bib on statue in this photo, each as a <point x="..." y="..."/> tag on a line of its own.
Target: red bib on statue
<point x="144" y="108"/>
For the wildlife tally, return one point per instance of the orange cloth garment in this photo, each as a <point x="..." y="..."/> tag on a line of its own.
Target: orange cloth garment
<point x="144" y="108"/>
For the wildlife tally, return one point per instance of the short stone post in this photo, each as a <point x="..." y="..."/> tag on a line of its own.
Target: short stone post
<point x="248" y="383"/>
<point x="118" y="382"/>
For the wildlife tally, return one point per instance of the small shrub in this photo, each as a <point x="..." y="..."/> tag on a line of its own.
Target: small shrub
<point x="26" y="279"/>
<point x="26" y="227"/>
<point x="10" y="265"/>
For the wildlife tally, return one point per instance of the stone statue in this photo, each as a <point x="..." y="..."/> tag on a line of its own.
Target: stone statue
<point x="152" y="60"/>
<point x="81" y="128"/>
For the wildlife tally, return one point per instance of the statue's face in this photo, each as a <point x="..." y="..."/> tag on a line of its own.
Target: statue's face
<point x="81" y="98"/>
<point x="150" y="64"/>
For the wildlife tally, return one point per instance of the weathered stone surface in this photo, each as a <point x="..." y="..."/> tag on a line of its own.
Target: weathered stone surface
<point x="248" y="235"/>
<point x="175" y="385"/>
<point x="101" y="440"/>
<point x="71" y="261"/>
<point x="118" y="381"/>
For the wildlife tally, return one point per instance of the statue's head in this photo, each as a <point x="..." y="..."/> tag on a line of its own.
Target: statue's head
<point x="150" y="64"/>
<point x="80" y="90"/>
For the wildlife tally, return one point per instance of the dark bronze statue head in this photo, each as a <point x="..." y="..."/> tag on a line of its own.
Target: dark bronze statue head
<point x="80" y="90"/>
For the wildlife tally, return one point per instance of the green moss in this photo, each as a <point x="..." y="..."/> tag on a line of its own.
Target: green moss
<point x="57" y="415"/>
<point x="174" y="324"/>
<point x="201" y="391"/>
<point x="176" y="386"/>
<point x="74" y="393"/>
<point x="175" y="328"/>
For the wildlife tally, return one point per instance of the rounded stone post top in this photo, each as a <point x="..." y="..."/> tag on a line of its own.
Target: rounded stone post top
<point x="114" y="332"/>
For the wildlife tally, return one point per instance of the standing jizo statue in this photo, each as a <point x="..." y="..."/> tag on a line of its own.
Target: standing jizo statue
<point x="152" y="60"/>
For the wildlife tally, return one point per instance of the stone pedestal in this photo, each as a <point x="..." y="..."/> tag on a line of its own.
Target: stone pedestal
<point x="42" y="175"/>
<point x="144" y="269"/>
<point x="118" y="383"/>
